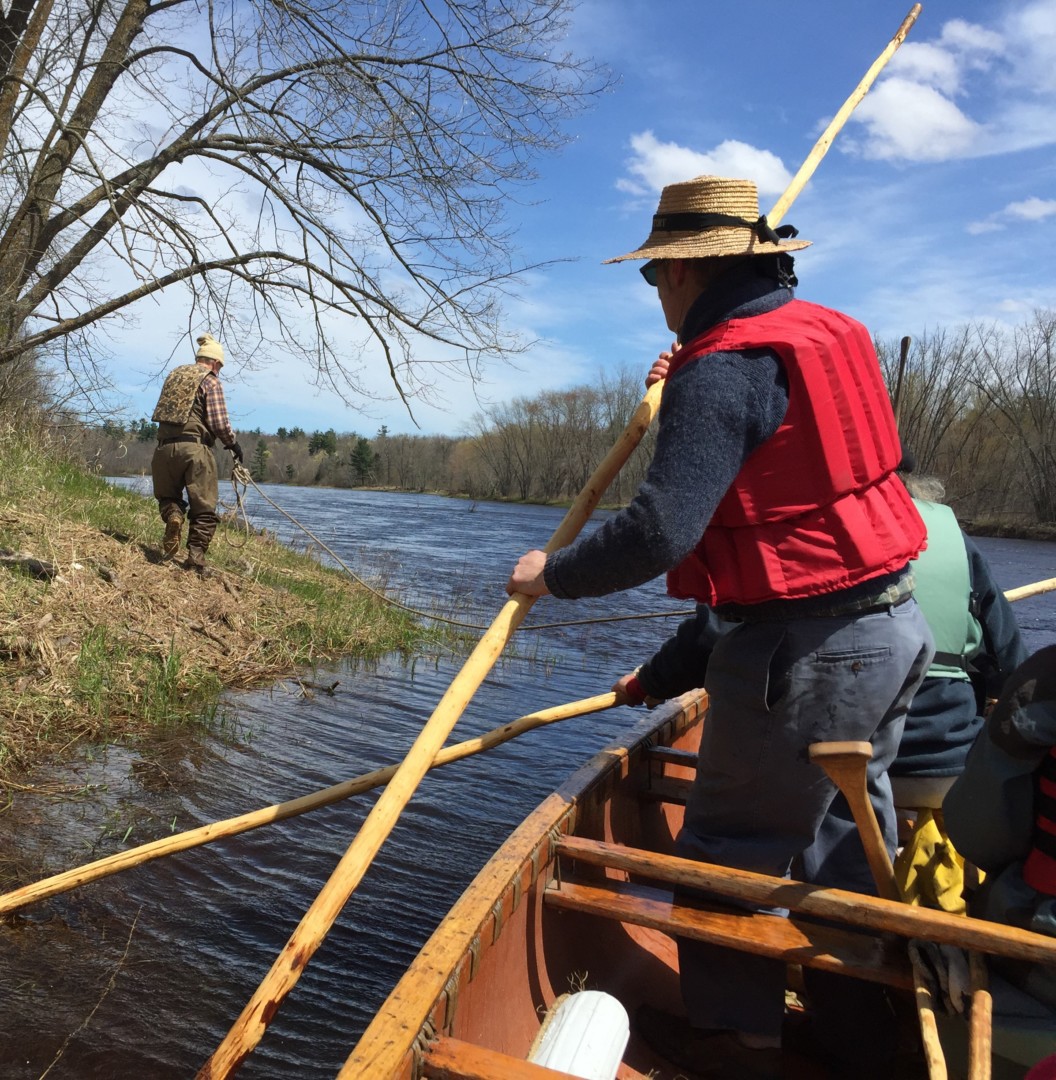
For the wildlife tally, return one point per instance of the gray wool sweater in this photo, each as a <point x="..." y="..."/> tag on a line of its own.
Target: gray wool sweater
<point x="713" y="415"/>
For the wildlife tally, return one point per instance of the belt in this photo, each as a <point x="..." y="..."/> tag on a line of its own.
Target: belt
<point x="897" y="592"/>
<point x="179" y="438"/>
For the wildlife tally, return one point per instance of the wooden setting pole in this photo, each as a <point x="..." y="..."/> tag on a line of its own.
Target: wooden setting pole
<point x="903" y="356"/>
<point x="250" y="1026"/>
<point x="821" y="147"/>
<point x="219" y="830"/>
<point x="980" y="1020"/>
<point x="1038" y="587"/>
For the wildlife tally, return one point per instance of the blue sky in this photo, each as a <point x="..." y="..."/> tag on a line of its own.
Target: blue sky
<point x="935" y="207"/>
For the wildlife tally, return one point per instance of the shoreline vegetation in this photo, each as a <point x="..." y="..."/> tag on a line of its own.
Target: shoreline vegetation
<point x="102" y="641"/>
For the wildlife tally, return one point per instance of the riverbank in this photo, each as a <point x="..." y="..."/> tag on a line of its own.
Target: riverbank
<point x="101" y="640"/>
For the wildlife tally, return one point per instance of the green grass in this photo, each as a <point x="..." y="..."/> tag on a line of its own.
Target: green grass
<point x="91" y="658"/>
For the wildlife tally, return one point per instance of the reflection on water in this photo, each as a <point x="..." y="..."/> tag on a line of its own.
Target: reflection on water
<point x="141" y="975"/>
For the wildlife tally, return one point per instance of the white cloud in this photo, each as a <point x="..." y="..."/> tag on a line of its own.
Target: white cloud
<point x="977" y="228"/>
<point x="909" y="121"/>
<point x="1002" y="77"/>
<point x="928" y="65"/>
<point x="655" y="163"/>
<point x="1030" y="209"/>
<point x="974" y="43"/>
<point x="1031" y="32"/>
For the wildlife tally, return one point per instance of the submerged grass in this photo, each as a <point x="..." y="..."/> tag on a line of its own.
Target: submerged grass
<point x="119" y="642"/>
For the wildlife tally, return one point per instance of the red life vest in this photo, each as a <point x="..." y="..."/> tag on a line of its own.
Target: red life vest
<point x="817" y="507"/>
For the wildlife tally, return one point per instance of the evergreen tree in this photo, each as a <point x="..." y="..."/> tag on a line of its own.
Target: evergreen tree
<point x="258" y="468"/>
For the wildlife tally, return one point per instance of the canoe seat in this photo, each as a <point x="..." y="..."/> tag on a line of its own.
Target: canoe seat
<point x="665" y="789"/>
<point x="669" y="755"/>
<point x="659" y="786"/>
<point x="793" y="940"/>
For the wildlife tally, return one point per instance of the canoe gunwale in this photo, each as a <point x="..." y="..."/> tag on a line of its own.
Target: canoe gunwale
<point x="425" y="1000"/>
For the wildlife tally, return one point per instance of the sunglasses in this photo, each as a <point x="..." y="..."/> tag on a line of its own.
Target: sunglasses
<point x="649" y="271"/>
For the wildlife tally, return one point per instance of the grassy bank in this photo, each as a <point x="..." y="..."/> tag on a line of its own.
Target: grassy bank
<point x="102" y="640"/>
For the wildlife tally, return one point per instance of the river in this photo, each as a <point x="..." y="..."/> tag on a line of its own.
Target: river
<point x="138" y="977"/>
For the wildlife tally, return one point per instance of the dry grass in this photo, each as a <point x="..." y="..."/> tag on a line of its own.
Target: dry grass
<point x="120" y="641"/>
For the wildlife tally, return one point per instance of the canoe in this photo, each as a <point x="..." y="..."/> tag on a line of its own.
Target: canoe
<point x="582" y="896"/>
<point x="516" y="940"/>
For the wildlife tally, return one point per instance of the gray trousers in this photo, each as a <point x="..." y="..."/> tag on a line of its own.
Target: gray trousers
<point x="758" y="803"/>
<point x="191" y="467"/>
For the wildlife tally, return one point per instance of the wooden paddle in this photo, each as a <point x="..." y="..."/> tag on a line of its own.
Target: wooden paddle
<point x="218" y="830"/>
<point x="845" y="764"/>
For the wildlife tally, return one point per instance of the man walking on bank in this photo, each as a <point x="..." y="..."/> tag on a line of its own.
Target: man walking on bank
<point x="191" y="415"/>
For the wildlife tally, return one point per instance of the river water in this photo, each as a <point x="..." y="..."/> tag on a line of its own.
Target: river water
<point x="141" y="975"/>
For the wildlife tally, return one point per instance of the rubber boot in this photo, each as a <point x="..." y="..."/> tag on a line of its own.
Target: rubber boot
<point x="170" y="546"/>
<point x="196" y="562"/>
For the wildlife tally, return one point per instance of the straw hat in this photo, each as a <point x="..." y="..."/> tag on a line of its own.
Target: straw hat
<point x="710" y="215"/>
<point x="209" y="348"/>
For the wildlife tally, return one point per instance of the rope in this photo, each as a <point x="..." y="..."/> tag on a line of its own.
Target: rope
<point x="240" y="475"/>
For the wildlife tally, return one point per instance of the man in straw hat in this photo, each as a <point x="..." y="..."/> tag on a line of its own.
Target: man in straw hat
<point x="191" y="415"/>
<point x="771" y="499"/>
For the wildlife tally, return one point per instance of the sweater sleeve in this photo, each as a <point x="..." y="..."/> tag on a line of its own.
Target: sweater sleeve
<point x="681" y="663"/>
<point x="715" y="412"/>
<point x="1002" y="649"/>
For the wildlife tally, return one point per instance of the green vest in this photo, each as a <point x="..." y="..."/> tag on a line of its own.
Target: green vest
<point x="943" y="590"/>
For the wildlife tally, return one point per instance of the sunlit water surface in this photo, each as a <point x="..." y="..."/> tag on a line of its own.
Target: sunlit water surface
<point x="141" y="975"/>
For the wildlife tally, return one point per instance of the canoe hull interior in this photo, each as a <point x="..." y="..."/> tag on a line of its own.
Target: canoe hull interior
<point x="501" y="957"/>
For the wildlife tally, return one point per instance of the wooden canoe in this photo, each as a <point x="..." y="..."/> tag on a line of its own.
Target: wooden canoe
<point x="582" y="895"/>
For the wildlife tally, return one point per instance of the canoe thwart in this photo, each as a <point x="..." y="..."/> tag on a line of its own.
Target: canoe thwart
<point x="666" y="789"/>
<point x="863" y="912"/>
<point x="844" y="952"/>
<point x="670" y="755"/>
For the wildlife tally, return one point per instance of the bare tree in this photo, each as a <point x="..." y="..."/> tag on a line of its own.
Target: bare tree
<point x="1017" y="376"/>
<point x="291" y="164"/>
<point x="937" y="397"/>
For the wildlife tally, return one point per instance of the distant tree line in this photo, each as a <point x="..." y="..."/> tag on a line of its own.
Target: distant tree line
<point x="976" y="405"/>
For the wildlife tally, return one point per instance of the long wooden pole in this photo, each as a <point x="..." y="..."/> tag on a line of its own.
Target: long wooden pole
<point x="250" y="1026"/>
<point x="1030" y="590"/>
<point x="903" y="356"/>
<point x="821" y="147"/>
<point x="219" y="830"/>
